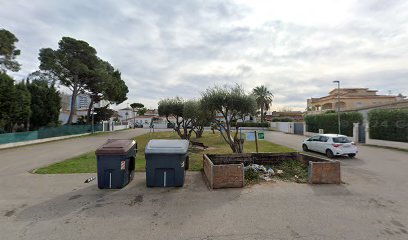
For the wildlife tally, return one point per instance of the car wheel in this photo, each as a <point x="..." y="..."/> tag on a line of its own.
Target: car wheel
<point x="352" y="155"/>
<point x="329" y="153"/>
<point x="305" y="148"/>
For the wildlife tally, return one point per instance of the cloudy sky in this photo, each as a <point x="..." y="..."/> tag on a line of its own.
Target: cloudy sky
<point x="166" y="48"/>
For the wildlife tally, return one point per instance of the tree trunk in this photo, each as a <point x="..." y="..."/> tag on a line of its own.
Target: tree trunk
<point x="234" y="143"/>
<point x="88" y="119"/>
<point x="178" y="131"/>
<point x="72" y="111"/>
<point x="262" y="114"/>
<point x="200" y="131"/>
<point x="28" y="124"/>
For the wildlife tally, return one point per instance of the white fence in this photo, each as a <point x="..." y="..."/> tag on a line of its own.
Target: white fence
<point x="120" y="127"/>
<point x="286" y="127"/>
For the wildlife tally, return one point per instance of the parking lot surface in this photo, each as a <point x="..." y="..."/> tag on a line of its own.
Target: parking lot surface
<point x="371" y="204"/>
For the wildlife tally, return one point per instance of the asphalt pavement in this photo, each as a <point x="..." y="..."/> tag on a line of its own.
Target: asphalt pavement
<point x="371" y="204"/>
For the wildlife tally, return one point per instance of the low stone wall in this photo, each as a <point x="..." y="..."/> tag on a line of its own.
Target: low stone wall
<point x="383" y="143"/>
<point x="324" y="172"/>
<point x="227" y="170"/>
<point x="224" y="175"/>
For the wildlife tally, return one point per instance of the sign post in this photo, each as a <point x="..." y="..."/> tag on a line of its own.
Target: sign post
<point x="256" y="141"/>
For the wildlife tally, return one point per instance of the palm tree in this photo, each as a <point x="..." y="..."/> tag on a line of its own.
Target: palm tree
<point x="263" y="98"/>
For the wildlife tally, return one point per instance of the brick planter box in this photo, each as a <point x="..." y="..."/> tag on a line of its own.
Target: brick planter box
<point x="227" y="170"/>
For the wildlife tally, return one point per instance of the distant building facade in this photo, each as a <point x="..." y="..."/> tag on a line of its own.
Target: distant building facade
<point x="349" y="99"/>
<point x="402" y="104"/>
<point x="125" y="114"/>
<point x="82" y="104"/>
<point x="151" y="112"/>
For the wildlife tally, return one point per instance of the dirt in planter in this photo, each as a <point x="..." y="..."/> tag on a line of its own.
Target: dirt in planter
<point x="288" y="170"/>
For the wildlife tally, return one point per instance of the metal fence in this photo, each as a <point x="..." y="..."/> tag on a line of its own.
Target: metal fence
<point x="49" y="132"/>
<point x="18" y="137"/>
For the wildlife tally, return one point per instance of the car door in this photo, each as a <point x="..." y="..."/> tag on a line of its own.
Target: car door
<point x="312" y="142"/>
<point x="321" y="144"/>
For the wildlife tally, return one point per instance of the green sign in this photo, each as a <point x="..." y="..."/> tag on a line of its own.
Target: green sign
<point x="261" y="135"/>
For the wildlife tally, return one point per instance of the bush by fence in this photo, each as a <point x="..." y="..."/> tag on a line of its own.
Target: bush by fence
<point x="48" y="132"/>
<point x="390" y="124"/>
<point x="251" y="124"/>
<point x="329" y="122"/>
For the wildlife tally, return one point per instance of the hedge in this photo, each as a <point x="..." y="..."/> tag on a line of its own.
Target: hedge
<point x="251" y="124"/>
<point x="389" y="124"/>
<point x="329" y="122"/>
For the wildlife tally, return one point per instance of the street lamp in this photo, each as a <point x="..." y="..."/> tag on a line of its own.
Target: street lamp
<point x="338" y="105"/>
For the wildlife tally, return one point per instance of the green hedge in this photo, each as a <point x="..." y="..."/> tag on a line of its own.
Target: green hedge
<point x="329" y="122"/>
<point x="390" y="124"/>
<point x="251" y="124"/>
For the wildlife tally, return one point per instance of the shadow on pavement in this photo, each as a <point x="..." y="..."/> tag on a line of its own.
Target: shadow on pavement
<point x="134" y="199"/>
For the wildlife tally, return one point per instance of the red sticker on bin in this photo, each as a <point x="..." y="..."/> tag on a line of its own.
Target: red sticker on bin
<point x="122" y="165"/>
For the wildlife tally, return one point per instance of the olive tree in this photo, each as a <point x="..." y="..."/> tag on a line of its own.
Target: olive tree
<point x="174" y="107"/>
<point x="198" y="115"/>
<point x="190" y="116"/>
<point x="232" y="104"/>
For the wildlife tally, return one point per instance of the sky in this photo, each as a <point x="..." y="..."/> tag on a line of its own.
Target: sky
<point x="167" y="48"/>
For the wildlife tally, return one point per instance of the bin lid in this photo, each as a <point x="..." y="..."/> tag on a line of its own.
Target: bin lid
<point x="115" y="147"/>
<point x="167" y="146"/>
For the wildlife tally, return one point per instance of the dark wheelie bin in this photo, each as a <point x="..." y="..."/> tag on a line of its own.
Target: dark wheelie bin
<point x="116" y="163"/>
<point x="166" y="162"/>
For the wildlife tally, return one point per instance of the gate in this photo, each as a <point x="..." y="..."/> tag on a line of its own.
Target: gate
<point x="361" y="133"/>
<point x="298" y="128"/>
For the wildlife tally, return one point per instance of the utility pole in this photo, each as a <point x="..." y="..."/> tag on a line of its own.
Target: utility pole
<point x="338" y="105"/>
<point x="93" y="124"/>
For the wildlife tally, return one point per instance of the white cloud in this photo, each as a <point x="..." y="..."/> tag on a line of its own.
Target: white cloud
<point x="167" y="47"/>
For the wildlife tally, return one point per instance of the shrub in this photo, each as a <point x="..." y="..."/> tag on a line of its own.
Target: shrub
<point x="250" y="124"/>
<point x="251" y="175"/>
<point x="389" y="124"/>
<point x="329" y="122"/>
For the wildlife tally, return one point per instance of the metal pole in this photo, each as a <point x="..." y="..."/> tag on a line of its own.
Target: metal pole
<point x="338" y="106"/>
<point x="93" y="127"/>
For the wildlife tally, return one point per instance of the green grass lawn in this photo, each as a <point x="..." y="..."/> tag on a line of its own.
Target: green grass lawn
<point x="87" y="163"/>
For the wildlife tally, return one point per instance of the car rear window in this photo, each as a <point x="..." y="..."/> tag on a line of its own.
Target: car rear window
<point x="341" y="140"/>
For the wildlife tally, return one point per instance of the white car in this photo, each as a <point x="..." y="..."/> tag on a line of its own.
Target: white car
<point x="330" y="144"/>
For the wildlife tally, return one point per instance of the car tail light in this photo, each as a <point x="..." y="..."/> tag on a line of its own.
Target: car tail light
<point x="337" y="145"/>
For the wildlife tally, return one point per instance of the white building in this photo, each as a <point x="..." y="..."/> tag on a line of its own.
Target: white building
<point x="83" y="101"/>
<point x="125" y="114"/>
<point x="82" y="104"/>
